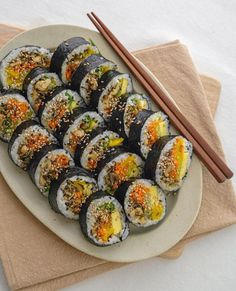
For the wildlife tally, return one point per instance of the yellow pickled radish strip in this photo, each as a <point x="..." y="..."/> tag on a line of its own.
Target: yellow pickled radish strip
<point x="162" y="129"/>
<point x="157" y="211"/>
<point x="115" y="142"/>
<point x="157" y="208"/>
<point x="156" y="129"/>
<point x="116" y="222"/>
<point x="180" y="157"/>
<point x="123" y="88"/>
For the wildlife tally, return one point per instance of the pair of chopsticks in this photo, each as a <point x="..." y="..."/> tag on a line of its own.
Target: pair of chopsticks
<point x="204" y="151"/>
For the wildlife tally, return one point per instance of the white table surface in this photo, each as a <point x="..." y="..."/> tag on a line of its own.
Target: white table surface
<point x="208" y="28"/>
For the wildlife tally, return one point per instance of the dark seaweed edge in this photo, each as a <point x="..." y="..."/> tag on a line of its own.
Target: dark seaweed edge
<point x="55" y="185"/>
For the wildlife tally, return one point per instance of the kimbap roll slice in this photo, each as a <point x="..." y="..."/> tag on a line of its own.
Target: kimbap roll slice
<point x="168" y="162"/>
<point x="112" y="88"/>
<point x="46" y="166"/>
<point x="102" y="220"/>
<point x="143" y="201"/>
<point x="65" y="123"/>
<point x="14" y="109"/>
<point x="85" y="78"/>
<point x="58" y="107"/>
<point x="28" y="138"/>
<point x="101" y="142"/>
<point x="80" y="129"/>
<point x="69" y="192"/>
<point x="126" y="112"/>
<point x="146" y="129"/>
<point x="16" y="65"/>
<point x="117" y="167"/>
<point x="38" y="84"/>
<point x="68" y="56"/>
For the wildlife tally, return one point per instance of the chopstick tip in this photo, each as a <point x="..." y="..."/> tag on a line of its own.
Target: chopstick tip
<point x="90" y="16"/>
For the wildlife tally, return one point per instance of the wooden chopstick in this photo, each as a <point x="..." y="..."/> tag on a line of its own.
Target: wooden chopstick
<point x="195" y="134"/>
<point x="208" y="156"/>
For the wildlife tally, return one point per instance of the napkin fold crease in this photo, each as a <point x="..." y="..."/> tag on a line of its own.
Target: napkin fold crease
<point x="34" y="258"/>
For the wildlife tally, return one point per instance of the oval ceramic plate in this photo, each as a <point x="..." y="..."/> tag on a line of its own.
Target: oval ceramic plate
<point x="182" y="208"/>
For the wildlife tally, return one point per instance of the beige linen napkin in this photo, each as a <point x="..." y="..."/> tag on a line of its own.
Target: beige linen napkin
<point x="35" y="259"/>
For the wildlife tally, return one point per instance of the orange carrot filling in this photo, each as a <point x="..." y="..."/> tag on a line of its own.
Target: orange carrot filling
<point x="138" y="194"/>
<point x="37" y="141"/>
<point x="54" y="122"/>
<point x="174" y="162"/>
<point x="124" y="170"/>
<point x="16" y="109"/>
<point x="153" y="132"/>
<point x="62" y="161"/>
<point x="70" y="70"/>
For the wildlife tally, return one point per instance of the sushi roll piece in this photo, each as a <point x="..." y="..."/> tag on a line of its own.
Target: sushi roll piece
<point x="89" y="153"/>
<point x="146" y="129"/>
<point x="102" y="220"/>
<point x="28" y="138"/>
<point x="168" y="162"/>
<point x="85" y="78"/>
<point x="143" y="201"/>
<point x="69" y="192"/>
<point x="16" y="65"/>
<point x="117" y="167"/>
<point x="68" y="56"/>
<point x="112" y="87"/>
<point x="14" y="109"/>
<point x="38" y="84"/>
<point x="58" y="106"/>
<point x="126" y="112"/>
<point x="79" y="129"/>
<point x="46" y="166"/>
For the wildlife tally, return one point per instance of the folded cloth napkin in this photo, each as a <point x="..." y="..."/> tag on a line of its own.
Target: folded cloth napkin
<point x="35" y="259"/>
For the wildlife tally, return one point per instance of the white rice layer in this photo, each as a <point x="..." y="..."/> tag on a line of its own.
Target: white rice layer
<point x="159" y="171"/>
<point x="5" y="98"/>
<point x="108" y="88"/>
<point x="91" y="220"/>
<point x="61" y="201"/>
